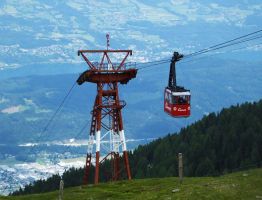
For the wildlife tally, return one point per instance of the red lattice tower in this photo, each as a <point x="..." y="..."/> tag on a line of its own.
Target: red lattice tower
<point x="106" y="118"/>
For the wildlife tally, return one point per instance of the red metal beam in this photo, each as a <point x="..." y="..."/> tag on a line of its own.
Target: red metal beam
<point x="123" y="61"/>
<point x="104" y="51"/>
<point x="88" y="62"/>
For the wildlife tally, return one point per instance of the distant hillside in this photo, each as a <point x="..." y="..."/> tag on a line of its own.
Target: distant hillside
<point x="241" y="185"/>
<point x="219" y="143"/>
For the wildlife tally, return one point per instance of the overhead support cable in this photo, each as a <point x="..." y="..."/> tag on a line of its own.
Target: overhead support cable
<point x="223" y="46"/>
<point x="216" y="53"/>
<point x="236" y="41"/>
<point x="58" y="108"/>
<point x="154" y="64"/>
<point x="223" y="43"/>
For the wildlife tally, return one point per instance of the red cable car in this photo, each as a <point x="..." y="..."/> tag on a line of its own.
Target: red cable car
<point x="177" y="98"/>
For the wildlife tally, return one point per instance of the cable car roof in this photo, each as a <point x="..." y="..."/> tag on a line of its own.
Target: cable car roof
<point x="179" y="93"/>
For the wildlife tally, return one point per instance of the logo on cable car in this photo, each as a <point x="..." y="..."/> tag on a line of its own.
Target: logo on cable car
<point x="181" y="109"/>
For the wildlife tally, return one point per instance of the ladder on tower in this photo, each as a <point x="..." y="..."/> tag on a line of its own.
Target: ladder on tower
<point x="87" y="169"/>
<point x="90" y="147"/>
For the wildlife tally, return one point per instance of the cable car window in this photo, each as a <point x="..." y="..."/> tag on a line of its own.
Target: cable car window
<point x="188" y="99"/>
<point x="174" y="99"/>
<point x="182" y="100"/>
<point x="166" y="96"/>
<point x="169" y="98"/>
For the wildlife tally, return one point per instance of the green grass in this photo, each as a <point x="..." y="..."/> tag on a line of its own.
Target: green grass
<point x="240" y="185"/>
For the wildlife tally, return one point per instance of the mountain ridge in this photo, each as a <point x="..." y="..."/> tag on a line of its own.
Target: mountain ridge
<point x="219" y="143"/>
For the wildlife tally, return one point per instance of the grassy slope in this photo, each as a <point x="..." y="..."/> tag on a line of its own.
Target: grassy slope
<point x="241" y="185"/>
